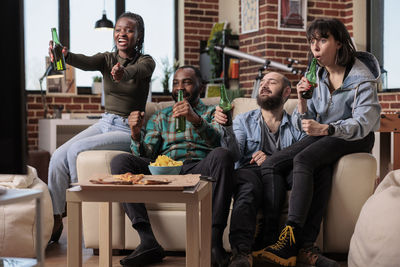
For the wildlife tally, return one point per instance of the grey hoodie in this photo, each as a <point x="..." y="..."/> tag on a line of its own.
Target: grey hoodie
<point x="354" y="108"/>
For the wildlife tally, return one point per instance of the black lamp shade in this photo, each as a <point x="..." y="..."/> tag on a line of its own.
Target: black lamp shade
<point x="104" y="23"/>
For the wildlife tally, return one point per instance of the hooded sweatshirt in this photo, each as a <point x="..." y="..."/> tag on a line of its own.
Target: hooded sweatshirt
<point x="353" y="109"/>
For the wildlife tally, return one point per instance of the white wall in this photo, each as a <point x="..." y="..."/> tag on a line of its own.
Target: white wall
<point x="229" y="11"/>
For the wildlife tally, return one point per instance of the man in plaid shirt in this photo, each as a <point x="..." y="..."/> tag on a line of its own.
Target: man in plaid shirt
<point x="198" y="148"/>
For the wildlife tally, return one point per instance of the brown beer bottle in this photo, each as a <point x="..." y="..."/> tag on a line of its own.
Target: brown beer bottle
<point x="59" y="60"/>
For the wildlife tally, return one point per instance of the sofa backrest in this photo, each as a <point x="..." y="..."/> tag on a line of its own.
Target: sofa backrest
<point x="241" y="104"/>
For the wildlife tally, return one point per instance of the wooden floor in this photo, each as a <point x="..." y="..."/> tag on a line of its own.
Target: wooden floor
<point x="56" y="256"/>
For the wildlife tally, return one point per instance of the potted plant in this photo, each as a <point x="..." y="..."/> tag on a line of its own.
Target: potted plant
<point x="168" y="71"/>
<point x="216" y="39"/>
<point x="97" y="85"/>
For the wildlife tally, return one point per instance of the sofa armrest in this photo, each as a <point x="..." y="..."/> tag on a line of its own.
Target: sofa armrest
<point x="88" y="164"/>
<point x="352" y="184"/>
<point x="93" y="162"/>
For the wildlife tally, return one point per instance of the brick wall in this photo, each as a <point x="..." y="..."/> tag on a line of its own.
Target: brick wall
<point x="74" y="104"/>
<point x="390" y="102"/>
<point x="268" y="42"/>
<point x="277" y="45"/>
<point x="200" y="16"/>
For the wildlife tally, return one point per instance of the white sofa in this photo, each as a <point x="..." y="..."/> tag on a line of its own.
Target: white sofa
<point x="353" y="183"/>
<point x="17" y="221"/>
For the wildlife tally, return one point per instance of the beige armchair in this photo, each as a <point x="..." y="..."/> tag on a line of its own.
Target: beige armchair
<point x="353" y="183"/>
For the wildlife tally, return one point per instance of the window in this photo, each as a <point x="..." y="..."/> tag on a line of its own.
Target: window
<point x="38" y="20"/>
<point x="159" y="33"/>
<point x="391" y="56"/>
<point x="84" y="38"/>
<point x="383" y="40"/>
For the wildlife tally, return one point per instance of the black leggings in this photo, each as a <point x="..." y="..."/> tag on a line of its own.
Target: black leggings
<point x="305" y="157"/>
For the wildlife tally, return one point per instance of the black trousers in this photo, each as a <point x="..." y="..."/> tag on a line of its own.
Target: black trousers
<point x="251" y="194"/>
<point x="218" y="164"/>
<point x="306" y="157"/>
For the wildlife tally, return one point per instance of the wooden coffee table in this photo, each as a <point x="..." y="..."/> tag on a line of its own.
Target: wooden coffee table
<point x="198" y="218"/>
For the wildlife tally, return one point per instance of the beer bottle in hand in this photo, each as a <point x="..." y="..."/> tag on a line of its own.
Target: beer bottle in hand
<point x="180" y="122"/>
<point x="311" y="77"/>
<point x="59" y="60"/>
<point x="226" y="105"/>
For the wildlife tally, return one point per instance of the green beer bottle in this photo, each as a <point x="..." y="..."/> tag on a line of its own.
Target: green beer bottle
<point x="311" y="77"/>
<point x="180" y="122"/>
<point x="59" y="60"/>
<point x="226" y="105"/>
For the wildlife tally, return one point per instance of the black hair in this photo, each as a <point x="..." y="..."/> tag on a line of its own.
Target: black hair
<point x="322" y="27"/>
<point x="139" y="27"/>
<point x="196" y="71"/>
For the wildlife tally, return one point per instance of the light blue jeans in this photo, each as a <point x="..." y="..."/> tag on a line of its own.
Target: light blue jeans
<point x="111" y="132"/>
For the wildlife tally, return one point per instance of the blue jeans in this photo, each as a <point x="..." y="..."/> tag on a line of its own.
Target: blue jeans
<point x="111" y="132"/>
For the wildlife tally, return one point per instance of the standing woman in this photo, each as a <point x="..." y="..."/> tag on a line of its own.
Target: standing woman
<point x="126" y="75"/>
<point x="339" y="119"/>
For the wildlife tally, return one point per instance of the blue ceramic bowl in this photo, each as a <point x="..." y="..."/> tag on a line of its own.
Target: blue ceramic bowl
<point x="170" y="170"/>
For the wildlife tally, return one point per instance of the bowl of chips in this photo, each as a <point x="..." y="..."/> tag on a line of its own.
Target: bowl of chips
<point x="164" y="165"/>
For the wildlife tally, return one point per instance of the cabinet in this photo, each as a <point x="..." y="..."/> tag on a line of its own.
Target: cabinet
<point x="55" y="132"/>
<point x="206" y="65"/>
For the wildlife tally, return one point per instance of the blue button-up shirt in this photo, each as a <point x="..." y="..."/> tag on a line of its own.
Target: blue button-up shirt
<point x="243" y="138"/>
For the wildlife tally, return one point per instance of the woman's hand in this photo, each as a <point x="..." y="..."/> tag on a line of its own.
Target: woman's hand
<point x="220" y="116"/>
<point x="258" y="157"/>
<point x="64" y="51"/>
<point x="302" y="86"/>
<point x="135" y="121"/>
<point x="313" y="128"/>
<point x="117" y="72"/>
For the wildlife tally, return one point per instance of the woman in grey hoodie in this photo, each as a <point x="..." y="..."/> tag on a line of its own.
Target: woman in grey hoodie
<point x="339" y="119"/>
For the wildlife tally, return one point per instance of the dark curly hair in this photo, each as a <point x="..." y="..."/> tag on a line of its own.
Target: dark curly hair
<point x="139" y="27"/>
<point x="322" y="27"/>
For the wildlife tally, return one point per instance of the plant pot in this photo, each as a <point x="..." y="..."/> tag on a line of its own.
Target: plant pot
<point x="97" y="88"/>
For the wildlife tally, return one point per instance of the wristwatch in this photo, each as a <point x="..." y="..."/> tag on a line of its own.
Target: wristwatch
<point x="331" y="129"/>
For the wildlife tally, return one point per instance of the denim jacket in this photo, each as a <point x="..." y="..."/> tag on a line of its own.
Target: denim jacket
<point x="353" y="109"/>
<point x="243" y="138"/>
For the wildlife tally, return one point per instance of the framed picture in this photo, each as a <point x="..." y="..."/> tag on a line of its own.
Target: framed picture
<point x="62" y="85"/>
<point x="250" y="18"/>
<point x="213" y="90"/>
<point x="292" y="15"/>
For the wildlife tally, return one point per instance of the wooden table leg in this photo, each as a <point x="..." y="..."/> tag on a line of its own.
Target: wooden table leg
<point x="105" y="234"/>
<point x="74" y="245"/>
<point x="396" y="151"/>
<point x="384" y="154"/>
<point x="192" y="234"/>
<point x="205" y="230"/>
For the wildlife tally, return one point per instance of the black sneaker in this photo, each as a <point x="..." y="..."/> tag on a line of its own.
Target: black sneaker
<point x="312" y="256"/>
<point x="241" y="259"/>
<point x="283" y="252"/>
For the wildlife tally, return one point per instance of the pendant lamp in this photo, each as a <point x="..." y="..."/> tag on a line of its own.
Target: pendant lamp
<point x="104" y="23"/>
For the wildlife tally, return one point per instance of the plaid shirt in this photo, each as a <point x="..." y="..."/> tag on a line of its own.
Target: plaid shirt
<point x="193" y="144"/>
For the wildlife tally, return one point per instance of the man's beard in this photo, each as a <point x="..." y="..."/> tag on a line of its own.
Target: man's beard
<point x="191" y="98"/>
<point x="270" y="102"/>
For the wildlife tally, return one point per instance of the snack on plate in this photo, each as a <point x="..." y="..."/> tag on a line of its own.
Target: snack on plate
<point x="133" y="178"/>
<point x="165" y="161"/>
<point x="154" y="182"/>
